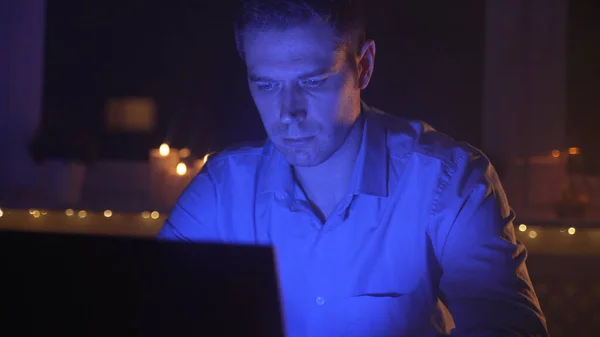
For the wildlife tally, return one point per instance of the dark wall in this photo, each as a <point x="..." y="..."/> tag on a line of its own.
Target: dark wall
<point x="182" y="53"/>
<point x="430" y="62"/>
<point x="583" y="81"/>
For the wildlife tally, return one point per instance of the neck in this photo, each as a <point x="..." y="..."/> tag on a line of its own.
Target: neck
<point x="335" y="173"/>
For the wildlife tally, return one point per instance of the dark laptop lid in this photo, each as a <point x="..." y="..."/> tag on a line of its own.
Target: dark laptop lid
<point x="108" y="286"/>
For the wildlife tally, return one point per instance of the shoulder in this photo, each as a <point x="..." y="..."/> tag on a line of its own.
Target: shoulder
<point x="453" y="176"/>
<point x="417" y="138"/>
<point x="459" y="157"/>
<point x="456" y="162"/>
<point x="463" y="172"/>
<point x="236" y="156"/>
<point x="406" y="137"/>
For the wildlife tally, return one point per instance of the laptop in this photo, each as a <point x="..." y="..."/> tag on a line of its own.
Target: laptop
<point x="59" y="284"/>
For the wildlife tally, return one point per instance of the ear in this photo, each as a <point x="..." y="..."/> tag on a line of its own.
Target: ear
<point x="366" y="63"/>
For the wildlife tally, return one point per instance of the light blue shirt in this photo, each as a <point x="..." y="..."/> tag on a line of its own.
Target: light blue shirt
<point x="422" y="243"/>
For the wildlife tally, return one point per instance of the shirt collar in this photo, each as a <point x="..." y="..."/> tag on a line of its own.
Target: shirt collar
<point x="276" y="176"/>
<point x="370" y="170"/>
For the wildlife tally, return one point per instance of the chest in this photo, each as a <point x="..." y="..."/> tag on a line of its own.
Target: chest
<point x="363" y="272"/>
<point x="368" y="270"/>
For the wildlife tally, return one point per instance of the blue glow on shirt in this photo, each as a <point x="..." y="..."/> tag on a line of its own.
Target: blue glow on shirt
<point x="425" y="231"/>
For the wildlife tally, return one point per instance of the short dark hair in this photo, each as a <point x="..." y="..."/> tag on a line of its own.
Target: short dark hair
<point x="346" y="17"/>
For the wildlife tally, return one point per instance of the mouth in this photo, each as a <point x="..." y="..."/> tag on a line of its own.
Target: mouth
<point x="297" y="142"/>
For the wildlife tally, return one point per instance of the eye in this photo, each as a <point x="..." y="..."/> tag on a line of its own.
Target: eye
<point x="313" y="83"/>
<point x="266" y="86"/>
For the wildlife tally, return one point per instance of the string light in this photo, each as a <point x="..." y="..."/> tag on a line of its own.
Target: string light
<point x="574" y="150"/>
<point x="164" y="149"/>
<point x="181" y="169"/>
<point x="83" y="213"/>
<point x="35" y="213"/>
<point x="555" y="153"/>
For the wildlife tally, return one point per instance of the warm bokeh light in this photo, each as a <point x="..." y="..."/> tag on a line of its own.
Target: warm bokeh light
<point x="571" y="230"/>
<point x="154" y="215"/>
<point x="522" y="227"/>
<point x="181" y="169"/>
<point x="164" y="149"/>
<point x="145" y="215"/>
<point x="31" y="210"/>
<point x="44" y="212"/>
<point x="82" y="214"/>
<point x="574" y="150"/>
<point x="69" y="212"/>
<point x="108" y="213"/>
<point x="533" y="234"/>
<point x="184" y="153"/>
<point x="1" y="213"/>
<point x="555" y="153"/>
<point x="36" y="213"/>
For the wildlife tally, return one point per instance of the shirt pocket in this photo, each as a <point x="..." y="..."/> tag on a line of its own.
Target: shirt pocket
<point x="382" y="308"/>
<point x="372" y="314"/>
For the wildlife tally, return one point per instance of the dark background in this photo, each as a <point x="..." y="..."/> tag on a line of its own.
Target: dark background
<point x="583" y="80"/>
<point x="182" y="53"/>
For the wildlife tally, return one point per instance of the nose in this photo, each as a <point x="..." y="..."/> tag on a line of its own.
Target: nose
<point x="293" y="107"/>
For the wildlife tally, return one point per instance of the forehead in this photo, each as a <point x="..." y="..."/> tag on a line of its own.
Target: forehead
<point x="285" y="52"/>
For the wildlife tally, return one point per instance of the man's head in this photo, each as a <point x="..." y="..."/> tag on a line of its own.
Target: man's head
<point x="307" y="62"/>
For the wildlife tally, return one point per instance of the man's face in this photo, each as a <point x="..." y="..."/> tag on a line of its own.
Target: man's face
<point x="306" y="90"/>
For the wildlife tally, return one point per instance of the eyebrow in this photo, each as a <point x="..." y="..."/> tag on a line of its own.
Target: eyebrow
<point x="313" y="73"/>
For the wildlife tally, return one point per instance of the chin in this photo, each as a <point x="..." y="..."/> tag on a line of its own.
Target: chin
<point x="302" y="158"/>
<point x="303" y="163"/>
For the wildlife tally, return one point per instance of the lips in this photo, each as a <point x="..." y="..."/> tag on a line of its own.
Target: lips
<point x="298" y="142"/>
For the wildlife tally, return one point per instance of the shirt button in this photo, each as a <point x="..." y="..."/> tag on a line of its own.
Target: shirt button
<point x="320" y="300"/>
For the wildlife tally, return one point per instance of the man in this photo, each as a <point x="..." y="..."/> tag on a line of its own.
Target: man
<point x="382" y="227"/>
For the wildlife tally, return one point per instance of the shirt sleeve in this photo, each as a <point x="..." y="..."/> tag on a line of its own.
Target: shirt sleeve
<point x="194" y="215"/>
<point x="484" y="280"/>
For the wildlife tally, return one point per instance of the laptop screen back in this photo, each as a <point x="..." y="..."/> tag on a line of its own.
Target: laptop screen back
<point x="107" y="286"/>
